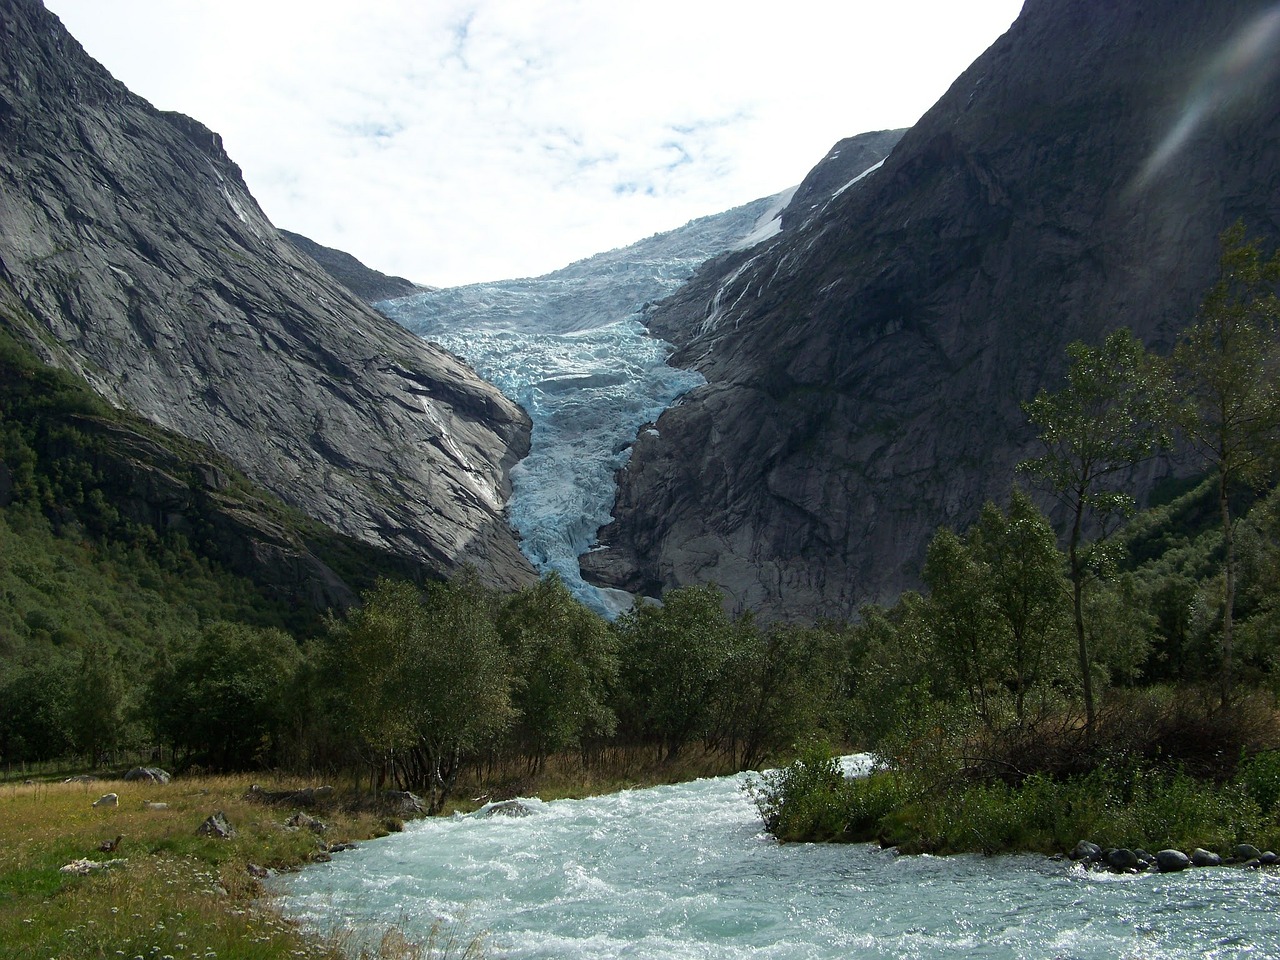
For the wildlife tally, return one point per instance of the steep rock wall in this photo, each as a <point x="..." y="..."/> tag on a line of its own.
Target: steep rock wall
<point x="865" y="371"/>
<point x="131" y="238"/>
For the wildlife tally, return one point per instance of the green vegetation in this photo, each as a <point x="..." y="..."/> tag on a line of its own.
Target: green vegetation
<point x="170" y="891"/>
<point x="1114" y="679"/>
<point x="1167" y="733"/>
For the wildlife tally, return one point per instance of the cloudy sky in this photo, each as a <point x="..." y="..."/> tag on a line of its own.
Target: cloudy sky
<point x="451" y="141"/>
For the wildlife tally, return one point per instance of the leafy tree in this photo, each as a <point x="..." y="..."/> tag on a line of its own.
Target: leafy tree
<point x="1121" y="625"/>
<point x="98" y="707"/>
<point x="960" y="616"/>
<point x="225" y="701"/>
<point x="1023" y="574"/>
<point x="784" y="687"/>
<point x="1099" y="425"/>
<point x="431" y="681"/>
<point x="34" y="707"/>
<point x="674" y="665"/>
<point x="892" y="669"/>
<point x="996" y="604"/>
<point x="565" y="661"/>
<point x="1227" y="370"/>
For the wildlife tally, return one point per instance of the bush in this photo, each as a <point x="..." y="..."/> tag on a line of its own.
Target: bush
<point x="1259" y="775"/>
<point x="807" y="800"/>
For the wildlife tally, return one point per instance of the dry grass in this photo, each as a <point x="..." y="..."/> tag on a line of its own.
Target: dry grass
<point x="176" y="894"/>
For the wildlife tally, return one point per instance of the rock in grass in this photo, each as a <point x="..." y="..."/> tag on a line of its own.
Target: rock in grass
<point x="82" y="867"/>
<point x="403" y="802"/>
<point x="1171" y="861"/>
<point x="1201" y="857"/>
<point x="217" y="826"/>
<point x="1086" y="851"/>
<point x="304" y="821"/>
<point x="107" y="800"/>
<point x="148" y="775"/>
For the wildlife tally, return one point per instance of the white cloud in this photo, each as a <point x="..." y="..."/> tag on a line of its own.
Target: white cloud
<point x="456" y="141"/>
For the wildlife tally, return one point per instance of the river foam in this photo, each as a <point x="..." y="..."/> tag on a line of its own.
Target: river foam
<point x="683" y="872"/>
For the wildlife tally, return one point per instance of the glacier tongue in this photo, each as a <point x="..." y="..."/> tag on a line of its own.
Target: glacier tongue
<point x="570" y="349"/>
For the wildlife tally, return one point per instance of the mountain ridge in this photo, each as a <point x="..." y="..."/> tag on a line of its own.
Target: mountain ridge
<point x="143" y="263"/>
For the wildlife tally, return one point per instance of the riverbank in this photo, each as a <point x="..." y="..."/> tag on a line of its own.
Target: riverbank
<point x="166" y="890"/>
<point x="1128" y="807"/>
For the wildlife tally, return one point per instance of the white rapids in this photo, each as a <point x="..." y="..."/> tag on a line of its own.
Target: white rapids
<point x="686" y="872"/>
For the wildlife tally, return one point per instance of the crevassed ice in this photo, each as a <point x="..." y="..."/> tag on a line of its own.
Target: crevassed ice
<point x="587" y="394"/>
<point x="569" y="348"/>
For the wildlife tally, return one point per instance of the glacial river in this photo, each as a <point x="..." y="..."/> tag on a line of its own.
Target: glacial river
<point x="685" y="872"/>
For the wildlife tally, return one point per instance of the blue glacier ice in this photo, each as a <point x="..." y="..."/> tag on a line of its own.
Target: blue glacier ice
<point x="569" y="347"/>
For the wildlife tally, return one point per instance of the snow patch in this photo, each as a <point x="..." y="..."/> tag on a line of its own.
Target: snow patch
<point x="870" y="170"/>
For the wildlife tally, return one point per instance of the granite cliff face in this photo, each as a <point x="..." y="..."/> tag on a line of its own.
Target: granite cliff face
<point x="366" y="283"/>
<point x="866" y="367"/>
<point x="134" y="250"/>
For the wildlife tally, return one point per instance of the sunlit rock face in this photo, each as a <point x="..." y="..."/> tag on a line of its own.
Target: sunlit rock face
<point x="133" y="253"/>
<point x="865" y="371"/>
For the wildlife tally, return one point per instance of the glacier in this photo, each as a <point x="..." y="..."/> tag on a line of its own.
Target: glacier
<point x="571" y="349"/>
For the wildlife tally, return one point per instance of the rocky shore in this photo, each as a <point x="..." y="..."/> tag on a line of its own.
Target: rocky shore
<point x="1124" y="860"/>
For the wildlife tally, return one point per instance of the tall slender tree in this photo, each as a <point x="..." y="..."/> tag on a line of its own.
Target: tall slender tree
<point x="1227" y="372"/>
<point x="1106" y="419"/>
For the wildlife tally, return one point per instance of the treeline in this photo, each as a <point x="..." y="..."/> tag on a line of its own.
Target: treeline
<point x="415" y="684"/>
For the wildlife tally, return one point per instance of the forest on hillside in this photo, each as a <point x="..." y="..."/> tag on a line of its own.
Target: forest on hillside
<point x="1139" y="641"/>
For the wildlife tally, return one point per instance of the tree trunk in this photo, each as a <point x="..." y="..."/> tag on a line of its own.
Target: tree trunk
<point x="1228" y="590"/>
<point x="1077" y="611"/>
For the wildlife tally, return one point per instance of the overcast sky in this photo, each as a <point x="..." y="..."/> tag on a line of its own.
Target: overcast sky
<point x="451" y="141"/>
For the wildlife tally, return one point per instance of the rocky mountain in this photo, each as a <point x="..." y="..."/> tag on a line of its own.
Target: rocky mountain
<point x="132" y="252"/>
<point x="366" y="283"/>
<point x="865" y="370"/>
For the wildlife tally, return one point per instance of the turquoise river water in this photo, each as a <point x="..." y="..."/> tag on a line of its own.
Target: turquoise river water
<point x="686" y="872"/>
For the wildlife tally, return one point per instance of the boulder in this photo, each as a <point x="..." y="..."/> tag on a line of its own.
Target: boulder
<point x="148" y="775"/>
<point x="1123" y="860"/>
<point x="1171" y="861"/>
<point x="403" y="802"/>
<point x="1244" y="852"/>
<point x="107" y="800"/>
<point x="217" y="826"/>
<point x="504" y="808"/>
<point x="304" y="821"/>
<point x="306" y="797"/>
<point x="1086" y="851"/>
<point x="1269" y="858"/>
<point x="1201" y="857"/>
<point x="149" y="805"/>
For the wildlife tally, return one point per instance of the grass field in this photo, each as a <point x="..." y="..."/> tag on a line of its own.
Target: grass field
<point x="170" y="891"/>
